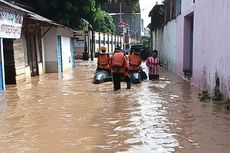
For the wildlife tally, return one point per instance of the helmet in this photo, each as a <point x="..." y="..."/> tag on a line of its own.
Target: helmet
<point x="102" y="48"/>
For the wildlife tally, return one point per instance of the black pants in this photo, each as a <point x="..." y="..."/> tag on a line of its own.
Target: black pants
<point x="117" y="78"/>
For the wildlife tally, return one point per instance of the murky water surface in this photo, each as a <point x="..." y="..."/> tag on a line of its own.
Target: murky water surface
<point x="72" y="115"/>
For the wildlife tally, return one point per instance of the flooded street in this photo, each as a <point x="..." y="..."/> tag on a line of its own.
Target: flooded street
<point x="72" y="115"/>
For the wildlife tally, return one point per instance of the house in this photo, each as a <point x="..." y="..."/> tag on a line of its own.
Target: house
<point x="193" y="40"/>
<point x="58" y="49"/>
<point x="11" y="21"/>
<point x="32" y="45"/>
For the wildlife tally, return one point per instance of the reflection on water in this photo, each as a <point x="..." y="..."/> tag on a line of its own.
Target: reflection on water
<point x="69" y="114"/>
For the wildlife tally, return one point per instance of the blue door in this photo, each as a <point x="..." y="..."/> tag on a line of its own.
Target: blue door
<point x="72" y="49"/>
<point x="1" y="67"/>
<point x="59" y="55"/>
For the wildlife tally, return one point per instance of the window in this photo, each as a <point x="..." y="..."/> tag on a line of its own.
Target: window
<point x="172" y="9"/>
<point x="178" y="7"/>
<point x="80" y="43"/>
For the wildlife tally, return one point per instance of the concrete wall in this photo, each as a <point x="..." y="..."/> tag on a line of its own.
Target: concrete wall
<point x="187" y="5"/>
<point x="49" y="43"/>
<point x="66" y="34"/>
<point x="164" y="40"/>
<point x="50" y="50"/>
<point x="211" y="46"/>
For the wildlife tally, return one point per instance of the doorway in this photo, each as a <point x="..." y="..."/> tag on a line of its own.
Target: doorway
<point x="9" y="63"/>
<point x="59" y="54"/>
<point x="32" y="54"/>
<point x="188" y="45"/>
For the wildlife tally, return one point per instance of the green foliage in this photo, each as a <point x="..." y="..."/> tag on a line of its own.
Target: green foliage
<point x="103" y="22"/>
<point x="70" y="12"/>
<point x="204" y="95"/>
<point x="227" y="106"/>
<point x="217" y="95"/>
<point x="146" y="41"/>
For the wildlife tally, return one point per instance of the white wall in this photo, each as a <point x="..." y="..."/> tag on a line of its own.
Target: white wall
<point x="66" y="53"/>
<point x="164" y="40"/>
<point x="66" y="34"/>
<point x="50" y="50"/>
<point x="186" y="5"/>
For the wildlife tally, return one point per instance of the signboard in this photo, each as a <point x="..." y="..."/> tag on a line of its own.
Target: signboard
<point x="10" y="24"/>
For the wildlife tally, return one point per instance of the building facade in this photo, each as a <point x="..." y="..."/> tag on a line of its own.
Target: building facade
<point x="192" y="38"/>
<point x="23" y="46"/>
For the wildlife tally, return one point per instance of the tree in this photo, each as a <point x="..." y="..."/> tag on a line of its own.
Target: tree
<point x="103" y="22"/>
<point x="70" y="12"/>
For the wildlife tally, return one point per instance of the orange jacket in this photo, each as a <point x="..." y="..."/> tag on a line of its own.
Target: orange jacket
<point x="134" y="62"/>
<point x="119" y="63"/>
<point x="103" y="61"/>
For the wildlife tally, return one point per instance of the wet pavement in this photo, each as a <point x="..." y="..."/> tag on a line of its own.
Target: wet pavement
<point x="72" y="115"/>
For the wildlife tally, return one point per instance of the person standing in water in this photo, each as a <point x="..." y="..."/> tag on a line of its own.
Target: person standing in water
<point x="153" y="63"/>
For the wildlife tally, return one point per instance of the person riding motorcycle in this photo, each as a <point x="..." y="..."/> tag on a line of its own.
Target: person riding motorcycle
<point x="103" y="60"/>
<point x="134" y="61"/>
<point x="119" y="69"/>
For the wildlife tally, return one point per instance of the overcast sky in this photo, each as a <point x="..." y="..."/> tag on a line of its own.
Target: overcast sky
<point x="146" y="7"/>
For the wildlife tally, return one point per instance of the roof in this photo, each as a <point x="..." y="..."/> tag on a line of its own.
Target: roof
<point x="155" y="8"/>
<point x="157" y="16"/>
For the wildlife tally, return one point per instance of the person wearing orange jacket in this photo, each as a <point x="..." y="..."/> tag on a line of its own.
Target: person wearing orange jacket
<point x="103" y="60"/>
<point x="134" y="61"/>
<point x="119" y="69"/>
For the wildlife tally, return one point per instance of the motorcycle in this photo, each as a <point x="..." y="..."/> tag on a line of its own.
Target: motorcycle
<point x="137" y="77"/>
<point x="101" y="76"/>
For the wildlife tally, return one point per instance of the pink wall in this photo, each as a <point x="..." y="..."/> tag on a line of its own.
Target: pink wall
<point x="211" y="47"/>
<point x="187" y="7"/>
<point x="212" y="43"/>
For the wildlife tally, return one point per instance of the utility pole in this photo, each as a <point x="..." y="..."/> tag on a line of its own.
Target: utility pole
<point x="92" y="42"/>
<point x="92" y="39"/>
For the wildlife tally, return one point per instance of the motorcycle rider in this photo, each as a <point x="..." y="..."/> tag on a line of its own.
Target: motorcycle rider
<point x="134" y="61"/>
<point x="103" y="60"/>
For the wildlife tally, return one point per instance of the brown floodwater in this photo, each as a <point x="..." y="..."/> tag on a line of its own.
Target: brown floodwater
<point x="72" y="115"/>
